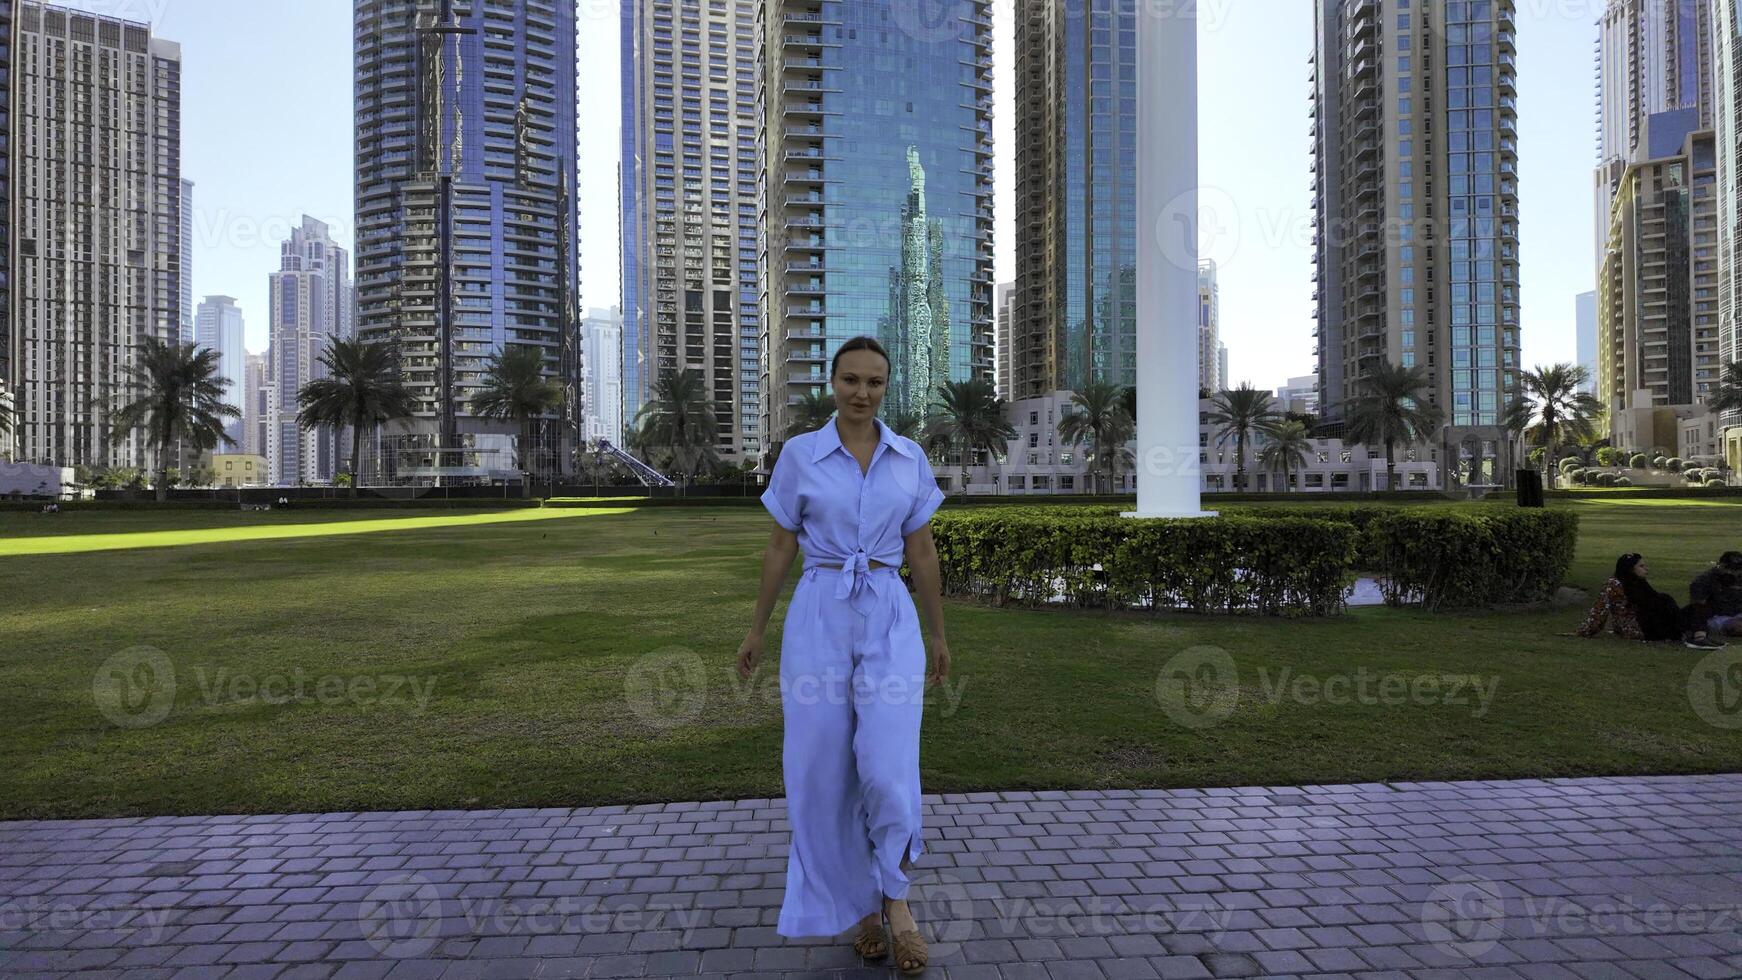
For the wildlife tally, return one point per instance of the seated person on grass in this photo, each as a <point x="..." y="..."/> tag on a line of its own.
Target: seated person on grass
<point x="1717" y="592"/>
<point x="1635" y="610"/>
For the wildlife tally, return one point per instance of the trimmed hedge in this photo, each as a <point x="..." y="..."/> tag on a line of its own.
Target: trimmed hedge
<point x="1296" y="563"/>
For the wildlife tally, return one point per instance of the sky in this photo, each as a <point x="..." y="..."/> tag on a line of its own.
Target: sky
<point x="266" y="138"/>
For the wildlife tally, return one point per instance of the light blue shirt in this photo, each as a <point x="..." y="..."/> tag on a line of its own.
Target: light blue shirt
<point x="844" y="516"/>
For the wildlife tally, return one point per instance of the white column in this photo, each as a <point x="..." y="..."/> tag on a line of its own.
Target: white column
<point x="1168" y="477"/>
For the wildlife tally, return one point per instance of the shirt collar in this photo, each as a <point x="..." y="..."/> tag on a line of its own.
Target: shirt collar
<point x="829" y="439"/>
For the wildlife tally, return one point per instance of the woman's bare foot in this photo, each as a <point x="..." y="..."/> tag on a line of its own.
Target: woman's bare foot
<point x="900" y="917"/>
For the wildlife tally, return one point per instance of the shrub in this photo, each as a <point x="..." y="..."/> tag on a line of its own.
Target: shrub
<point x="1295" y="563"/>
<point x="1660" y="462"/>
<point x="1637" y="462"/>
<point x="1568" y="463"/>
<point x="1608" y="456"/>
<point x="1714" y="482"/>
<point x="1581" y="476"/>
<point x="1602" y="480"/>
<point x="1673" y="463"/>
<point x="1622" y="481"/>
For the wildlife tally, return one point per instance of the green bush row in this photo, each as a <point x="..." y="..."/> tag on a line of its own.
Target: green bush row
<point x="1298" y="562"/>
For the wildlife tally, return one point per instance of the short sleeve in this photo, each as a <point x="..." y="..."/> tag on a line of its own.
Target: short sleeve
<point x="926" y="498"/>
<point x="781" y="497"/>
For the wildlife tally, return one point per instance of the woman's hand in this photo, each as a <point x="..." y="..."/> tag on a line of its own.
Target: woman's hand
<point x="940" y="652"/>
<point x="749" y="653"/>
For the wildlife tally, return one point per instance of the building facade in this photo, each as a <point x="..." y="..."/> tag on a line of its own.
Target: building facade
<point x="1211" y="357"/>
<point x="8" y="45"/>
<point x="189" y="333"/>
<point x="1006" y="298"/>
<point x="1727" y="132"/>
<point x="1300" y="395"/>
<point x="1585" y="341"/>
<point x="257" y="394"/>
<point x="1415" y="160"/>
<point x="311" y="305"/>
<point x="603" y="352"/>
<point x="218" y="326"/>
<point x="96" y="264"/>
<point x="875" y="207"/>
<point x="467" y="222"/>
<point x="1076" y="197"/>
<point x="690" y="288"/>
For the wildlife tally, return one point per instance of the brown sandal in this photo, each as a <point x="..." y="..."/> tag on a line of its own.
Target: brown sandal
<point x="910" y="947"/>
<point x="872" y="942"/>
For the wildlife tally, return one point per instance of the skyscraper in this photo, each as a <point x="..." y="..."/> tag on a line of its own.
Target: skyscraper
<point x="185" y="207"/>
<point x="218" y="326"/>
<point x="876" y="215"/>
<point x="1585" y="327"/>
<point x="688" y="176"/>
<point x="1210" y="374"/>
<point x="1076" y="197"/>
<point x="311" y="306"/>
<point x="467" y="225"/>
<point x="1727" y="125"/>
<point x="1006" y="316"/>
<point x="8" y="44"/>
<point x="1657" y="277"/>
<point x="96" y="192"/>
<point x="1416" y="199"/>
<point x="256" y="406"/>
<point x="603" y="352"/>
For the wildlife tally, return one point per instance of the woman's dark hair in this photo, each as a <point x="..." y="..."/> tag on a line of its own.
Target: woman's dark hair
<point x="860" y="342"/>
<point x="1638" y="590"/>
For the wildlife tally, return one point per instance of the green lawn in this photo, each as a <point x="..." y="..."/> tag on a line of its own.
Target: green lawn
<point x="512" y="664"/>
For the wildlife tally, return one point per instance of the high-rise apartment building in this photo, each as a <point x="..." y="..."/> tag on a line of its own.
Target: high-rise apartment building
<point x="1585" y="340"/>
<point x="311" y="305"/>
<point x="603" y="352"/>
<point x="467" y="222"/>
<point x="1006" y="317"/>
<point x="1658" y="328"/>
<point x="1076" y="197"/>
<point x="96" y="192"/>
<point x="219" y="326"/>
<point x="1727" y="130"/>
<point x="185" y="207"/>
<point x="8" y="44"/>
<point x="875" y="214"/>
<point x="256" y="405"/>
<point x="1210" y="374"/>
<point x="1416" y="192"/>
<point x="690" y="288"/>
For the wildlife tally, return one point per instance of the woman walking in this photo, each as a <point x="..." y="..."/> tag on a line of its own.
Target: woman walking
<point x="857" y="498"/>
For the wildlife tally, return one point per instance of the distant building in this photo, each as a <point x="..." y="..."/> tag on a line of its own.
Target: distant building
<point x="255" y="405"/>
<point x="1212" y="356"/>
<point x="1299" y="395"/>
<point x="1222" y="374"/>
<point x="189" y="332"/>
<point x="311" y="306"/>
<point x="1001" y="347"/>
<point x="1727" y="123"/>
<point x="1585" y="325"/>
<point x="602" y="354"/>
<point x="218" y="326"/>
<point x="238" y="470"/>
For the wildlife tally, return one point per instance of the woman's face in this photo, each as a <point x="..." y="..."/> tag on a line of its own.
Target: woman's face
<point x="861" y="378"/>
<point x="1640" y="570"/>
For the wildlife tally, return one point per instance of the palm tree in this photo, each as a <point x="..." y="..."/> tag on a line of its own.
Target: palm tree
<point x="1099" y="417"/>
<point x="1516" y="421"/>
<point x="361" y="389"/>
<point x="1560" y="409"/>
<point x="178" y="396"/>
<point x="517" y="389"/>
<point x="1395" y="409"/>
<point x="904" y="423"/>
<point x="1287" y="449"/>
<point x="810" y="412"/>
<point x="679" y="421"/>
<point x="1239" y="413"/>
<point x="971" y="417"/>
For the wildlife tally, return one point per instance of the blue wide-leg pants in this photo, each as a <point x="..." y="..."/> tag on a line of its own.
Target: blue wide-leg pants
<point x="852" y="682"/>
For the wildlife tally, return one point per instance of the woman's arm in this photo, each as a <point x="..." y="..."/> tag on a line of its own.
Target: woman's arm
<point x="1599" y="614"/>
<point x="776" y="562"/>
<point x="922" y="562"/>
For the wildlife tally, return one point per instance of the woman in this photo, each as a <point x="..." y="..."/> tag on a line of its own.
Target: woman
<point x="857" y="497"/>
<point x="1637" y="611"/>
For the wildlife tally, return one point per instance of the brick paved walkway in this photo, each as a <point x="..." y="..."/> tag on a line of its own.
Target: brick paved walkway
<point x="1538" y="879"/>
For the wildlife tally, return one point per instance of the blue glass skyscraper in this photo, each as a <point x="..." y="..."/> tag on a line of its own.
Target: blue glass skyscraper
<point x="876" y="215"/>
<point x="467" y="228"/>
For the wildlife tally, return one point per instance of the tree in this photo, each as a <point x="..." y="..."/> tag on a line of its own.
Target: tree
<point x="904" y="423"/>
<point x="1287" y="449"/>
<point x="361" y="389"/>
<point x="1726" y="395"/>
<point x="1560" y="411"/>
<point x="679" y="422"/>
<point x="177" y="396"/>
<point x="810" y="412"/>
<point x="200" y="475"/>
<point x="1099" y="417"/>
<point x="1516" y="421"/>
<point x="516" y="389"/>
<point x="1239" y="413"/>
<point x="1394" y="408"/>
<point x="971" y="417"/>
